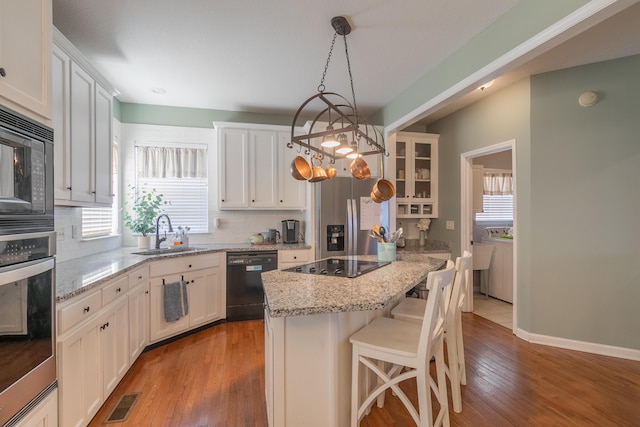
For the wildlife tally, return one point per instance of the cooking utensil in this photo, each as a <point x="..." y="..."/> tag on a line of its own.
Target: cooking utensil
<point x="360" y="169"/>
<point x="300" y="169"/>
<point x="395" y="235"/>
<point x="318" y="173"/>
<point x="383" y="233"/>
<point x="383" y="189"/>
<point x="331" y="171"/>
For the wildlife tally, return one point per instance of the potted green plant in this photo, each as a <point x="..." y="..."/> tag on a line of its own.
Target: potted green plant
<point x="141" y="217"/>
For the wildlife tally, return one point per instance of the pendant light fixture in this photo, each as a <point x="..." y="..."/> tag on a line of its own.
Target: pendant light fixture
<point x="336" y="130"/>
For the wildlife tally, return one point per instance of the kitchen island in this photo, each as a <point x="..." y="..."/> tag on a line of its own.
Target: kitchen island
<point x="308" y="322"/>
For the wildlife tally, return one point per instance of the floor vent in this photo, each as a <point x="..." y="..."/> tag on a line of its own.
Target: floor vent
<point x="123" y="408"/>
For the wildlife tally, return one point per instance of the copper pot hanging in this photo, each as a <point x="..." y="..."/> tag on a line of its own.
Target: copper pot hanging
<point x="360" y="169"/>
<point x="318" y="173"/>
<point x="300" y="169"/>
<point x="383" y="189"/>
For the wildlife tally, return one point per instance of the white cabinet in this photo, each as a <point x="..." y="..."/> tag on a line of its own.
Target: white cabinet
<point x="138" y="312"/>
<point x="93" y="351"/>
<point x="45" y="414"/>
<point x="293" y="257"/>
<point x="416" y="170"/>
<point x="82" y="122"/>
<point x="255" y="167"/>
<point x="292" y="193"/>
<point x="25" y="57"/>
<point x="205" y="276"/>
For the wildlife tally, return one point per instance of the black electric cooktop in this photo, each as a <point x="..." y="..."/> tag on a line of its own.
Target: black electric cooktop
<point x="338" y="267"/>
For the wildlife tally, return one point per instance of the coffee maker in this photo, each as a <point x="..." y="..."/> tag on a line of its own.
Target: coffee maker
<point x="290" y="230"/>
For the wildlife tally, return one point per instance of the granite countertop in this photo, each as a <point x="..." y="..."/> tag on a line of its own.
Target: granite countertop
<point x="297" y="294"/>
<point x="430" y="246"/>
<point x="80" y="275"/>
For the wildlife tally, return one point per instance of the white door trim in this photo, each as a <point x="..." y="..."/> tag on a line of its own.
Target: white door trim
<point x="466" y="211"/>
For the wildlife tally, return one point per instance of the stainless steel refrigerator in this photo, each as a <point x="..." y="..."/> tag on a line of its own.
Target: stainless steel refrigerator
<point x="342" y="215"/>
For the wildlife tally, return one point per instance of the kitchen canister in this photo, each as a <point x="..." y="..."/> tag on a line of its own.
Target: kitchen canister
<point x="386" y="252"/>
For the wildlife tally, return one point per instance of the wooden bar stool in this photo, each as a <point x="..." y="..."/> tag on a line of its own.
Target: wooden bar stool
<point x="405" y="349"/>
<point x="409" y="310"/>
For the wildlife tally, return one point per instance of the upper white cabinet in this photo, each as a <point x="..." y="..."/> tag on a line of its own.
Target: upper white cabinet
<point x="254" y="164"/>
<point x="25" y="57"/>
<point x="416" y="170"/>
<point x="82" y="122"/>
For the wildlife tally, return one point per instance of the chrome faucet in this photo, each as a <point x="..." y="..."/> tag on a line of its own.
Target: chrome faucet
<point x="158" y="238"/>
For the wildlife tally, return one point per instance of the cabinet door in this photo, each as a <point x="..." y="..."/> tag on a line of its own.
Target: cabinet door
<point x="234" y="165"/>
<point x="292" y="193"/>
<point x="138" y="321"/>
<point x="205" y="296"/>
<point x="61" y="64"/>
<point x="263" y="160"/>
<point x="25" y="55"/>
<point x="114" y="346"/>
<point x="103" y="143"/>
<point x="79" y="375"/>
<point x="82" y="135"/>
<point x="159" y="328"/>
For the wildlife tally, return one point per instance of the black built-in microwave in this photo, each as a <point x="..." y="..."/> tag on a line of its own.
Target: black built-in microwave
<point x="26" y="174"/>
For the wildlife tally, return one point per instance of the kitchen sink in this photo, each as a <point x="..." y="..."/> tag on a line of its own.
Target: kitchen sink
<point x="163" y="251"/>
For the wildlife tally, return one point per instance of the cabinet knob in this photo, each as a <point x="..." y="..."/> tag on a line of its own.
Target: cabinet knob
<point x="119" y="290"/>
<point x="93" y="192"/>
<point x="193" y="280"/>
<point x="223" y="200"/>
<point x="87" y="309"/>
<point x="69" y="188"/>
<point x="189" y="265"/>
<point x="146" y="292"/>
<point x="252" y="201"/>
<point x="3" y="73"/>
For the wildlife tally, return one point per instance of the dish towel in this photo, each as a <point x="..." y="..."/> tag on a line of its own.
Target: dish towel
<point x="176" y="303"/>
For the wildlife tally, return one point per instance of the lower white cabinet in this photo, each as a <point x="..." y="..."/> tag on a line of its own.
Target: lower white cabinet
<point x="138" y="320"/>
<point x="93" y="350"/>
<point x="92" y="359"/>
<point x="45" y="414"/>
<point x="291" y="258"/>
<point x="205" y="277"/>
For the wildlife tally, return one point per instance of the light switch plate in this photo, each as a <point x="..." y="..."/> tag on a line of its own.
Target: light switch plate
<point x="450" y="225"/>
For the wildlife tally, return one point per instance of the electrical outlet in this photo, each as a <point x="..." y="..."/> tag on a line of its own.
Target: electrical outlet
<point x="60" y="234"/>
<point x="450" y="225"/>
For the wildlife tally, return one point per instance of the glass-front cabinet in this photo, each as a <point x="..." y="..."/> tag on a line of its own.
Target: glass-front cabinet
<point x="416" y="169"/>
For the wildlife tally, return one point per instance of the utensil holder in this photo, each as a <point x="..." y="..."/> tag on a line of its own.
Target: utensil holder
<point x="386" y="252"/>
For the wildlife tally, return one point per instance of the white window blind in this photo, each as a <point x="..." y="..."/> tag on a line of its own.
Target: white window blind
<point x="97" y="222"/>
<point x="188" y="199"/>
<point x="179" y="173"/>
<point x="496" y="208"/>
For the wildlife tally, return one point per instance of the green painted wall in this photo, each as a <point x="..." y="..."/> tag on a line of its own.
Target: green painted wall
<point x="526" y="19"/>
<point x="501" y="117"/>
<point x="194" y="117"/>
<point x="585" y="283"/>
<point x="577" y="196"/>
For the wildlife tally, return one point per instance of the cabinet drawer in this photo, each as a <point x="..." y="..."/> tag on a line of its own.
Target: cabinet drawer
<point x="138" y="277"/>
<point x="183" y="264"/>
<point x="114" y="289"/>
<point x="78" y="311"/>
<point x="294" y="256"/>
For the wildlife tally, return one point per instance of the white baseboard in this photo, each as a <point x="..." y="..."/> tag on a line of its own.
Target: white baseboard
<point x="587" y="347"/>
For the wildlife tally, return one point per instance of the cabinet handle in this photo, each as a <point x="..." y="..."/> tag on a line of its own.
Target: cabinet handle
<point x="69" y="188"/>
<point x="3" y="73"/>
<point x="87" y="309"/>
<point x="119" y="290"/>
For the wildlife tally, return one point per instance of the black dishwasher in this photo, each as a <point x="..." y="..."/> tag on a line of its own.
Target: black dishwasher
<point x="245" y="295"/>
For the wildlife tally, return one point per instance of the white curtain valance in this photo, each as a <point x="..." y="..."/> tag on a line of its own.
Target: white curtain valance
<point x="171" y="162"/>
<point x="498" y="183"/>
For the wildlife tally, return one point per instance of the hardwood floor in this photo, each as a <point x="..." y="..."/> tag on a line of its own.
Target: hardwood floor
<point x="216" y="378"/>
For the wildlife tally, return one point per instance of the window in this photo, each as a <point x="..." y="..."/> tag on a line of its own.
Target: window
<point x="101" y="222"/>
<point x="496" y="208"/>
<point x="179" y="173"/>
<point x="497" y="197"/>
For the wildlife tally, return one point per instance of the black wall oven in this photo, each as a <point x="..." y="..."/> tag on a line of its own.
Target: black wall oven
<point x="27" y="265"/>
<point x="26" y="174"/>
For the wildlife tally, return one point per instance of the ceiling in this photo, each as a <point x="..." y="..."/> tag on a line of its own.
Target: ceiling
<point x="268" y="57"/>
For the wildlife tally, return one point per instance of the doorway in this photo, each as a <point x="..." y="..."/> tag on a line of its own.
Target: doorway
<point x="467" y="217"/>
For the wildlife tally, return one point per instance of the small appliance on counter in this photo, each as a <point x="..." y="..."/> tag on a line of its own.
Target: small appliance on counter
<point x="290" y="230"/>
